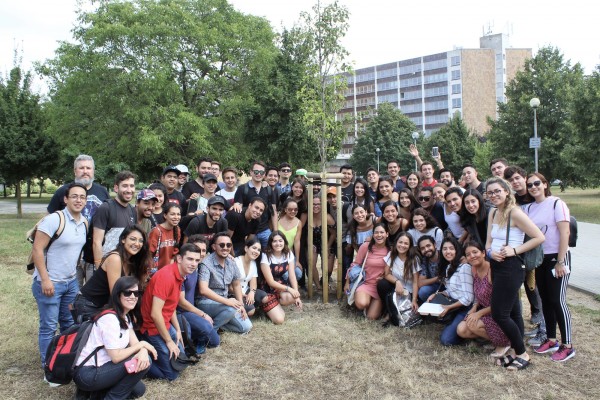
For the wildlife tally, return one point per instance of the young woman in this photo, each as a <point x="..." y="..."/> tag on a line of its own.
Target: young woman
<point x="413" y="182"/>
<point x="408" y="203"/>
<point x="161" y="194"/>
<point x="229" y="175"/>
<point x="246" y="263"/>
<point x="552" y="277"/>
<point x="106" y="372"/>
<point x="291" y="226"/>
<point x="458" y="282"/>
<point x="479" y="322"/>
<point x="392" y="220"/>
<point x="474" y="216"/>
<point x="507" y="268"/>
<point x="360" y="228"/>
<point x="165" y="238"/>
<point x="366" y="297"/>
<point x="422" y="224"/>
<point x="318" y="247"/>
<point x="402" y="268"/>
<point x="130" y="258"/>
<point x="385" y="192"/>
<point x="300" y="196"/>
<point x="362" y="197"/>
<point x="439" y="190"/>
<point x="275" y="263"/>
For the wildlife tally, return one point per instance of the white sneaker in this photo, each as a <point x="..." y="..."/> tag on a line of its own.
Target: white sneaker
<point x="52" y="384"/>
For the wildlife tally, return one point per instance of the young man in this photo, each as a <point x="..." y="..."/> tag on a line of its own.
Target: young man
<point x="184" y="174"/>
<point x="393" y="169"/>
<point x="434" y="208"/>
<point x="217" y="272"/>
<point x="55" y="278"/>
<point x="446" y="177"/>
<point x="285" y="172"/>
<point x="215" y="169"/>
<point x="497" y="167"/>
<point x="193" y="189"/>
<point x="373" y="181"/>
<point x="438" y="160"/>
<point x="170" y="178"/>
<point x="347" y="186"/>
<point x="146" y="199"/>
<point x="200" y="324"/>
<point x="161" y="297"/>
<point x="253" y="188"/>
<point x="430" y="258"/>
<point x="272" y="177"/>
<point x="427" y="173"/>
<point x="113" y="216"/>
<point x="242" y="225"/>
<point x="470" y="177"/>
<point x="516" y="176"/>
<point x="84" y="169"/>
<point x="229" y="176"/>
<point x="452" y="207"/>
<point x="209" y="223"/>
<point x="210" y="188"/>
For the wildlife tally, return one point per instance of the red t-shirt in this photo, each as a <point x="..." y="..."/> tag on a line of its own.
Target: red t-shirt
<point x="432" y="184"/>
<point x="166" y="285"/>
<point x="163" y="240"/>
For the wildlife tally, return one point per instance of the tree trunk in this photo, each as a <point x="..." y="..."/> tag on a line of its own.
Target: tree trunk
<point x="41" y="187"/>
<point x="28" y="188"/>
<point x="18" y="197"/>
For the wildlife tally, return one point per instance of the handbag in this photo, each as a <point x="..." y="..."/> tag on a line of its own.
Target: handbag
<point x="360" y="279"/>
<point x="530" y="259"/>
<point x="401" y="311"/>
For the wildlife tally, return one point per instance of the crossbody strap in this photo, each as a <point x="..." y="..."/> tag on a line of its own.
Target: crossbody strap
<point x="508" y="227"/>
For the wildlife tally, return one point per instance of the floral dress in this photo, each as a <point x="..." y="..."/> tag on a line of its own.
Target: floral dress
<point x="482" y="289"/>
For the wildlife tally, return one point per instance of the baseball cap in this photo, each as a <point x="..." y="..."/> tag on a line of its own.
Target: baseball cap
<point x="171" y="168"/>
<point x="146" y="194"/>
<point x="301" y="171"/>
<point x="332" y="190"/>
<point x="217" y="200"/>
<point x="182" y="169"/>
<point x="209" y="177"/>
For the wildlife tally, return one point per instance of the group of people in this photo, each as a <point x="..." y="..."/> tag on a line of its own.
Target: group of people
<point x="195" y="257"/>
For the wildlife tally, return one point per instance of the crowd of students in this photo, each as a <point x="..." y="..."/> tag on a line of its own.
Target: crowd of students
<point x="195" y="257"/>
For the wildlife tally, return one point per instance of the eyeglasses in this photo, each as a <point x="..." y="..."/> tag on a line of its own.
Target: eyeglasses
<point x="128" y="293"/>
<point x="424" y="198"/>
<point x="493" y="193"/>
<point x="75" y="197"/>
<point x="286" y="170"/>
<point x="223" y="245"/>
<point x="258" y="171"/>
<point x="532" y="184"/>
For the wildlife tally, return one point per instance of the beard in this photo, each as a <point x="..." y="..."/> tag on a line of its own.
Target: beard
<point x="85" y="181"/>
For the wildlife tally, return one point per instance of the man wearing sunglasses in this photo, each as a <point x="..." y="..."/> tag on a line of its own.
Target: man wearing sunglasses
<point x="285" y="172"/>
<point x="434" y="208"/>
<point x="217" y="272"/>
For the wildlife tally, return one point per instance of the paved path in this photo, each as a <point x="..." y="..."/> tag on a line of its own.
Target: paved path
<point x="585" y="273"/>
<point x="10" y="207"/>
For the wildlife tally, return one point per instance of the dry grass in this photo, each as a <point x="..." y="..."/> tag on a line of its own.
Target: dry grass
<point x="323" y="352"/>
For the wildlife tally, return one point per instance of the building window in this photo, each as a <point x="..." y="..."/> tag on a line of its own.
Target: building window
<point x="456" y="103"/>
<point x="456" y="75"/>
<point x="455" y="60"/>
<point x="456" y="89"/>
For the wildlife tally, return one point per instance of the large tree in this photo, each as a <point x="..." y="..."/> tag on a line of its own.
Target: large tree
<point x="26" y="151"/>
<point x="390" y="132"/>
<point x="554" y="81"/>
<point x="146" y="82"/>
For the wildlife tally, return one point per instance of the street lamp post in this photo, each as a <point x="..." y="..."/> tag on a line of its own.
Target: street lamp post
<point x="377" y="150"/>
<point x="535" y="103"/>
<point x="415" y="136"/>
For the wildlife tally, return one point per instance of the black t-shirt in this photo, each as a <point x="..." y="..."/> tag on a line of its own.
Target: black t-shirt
<point x="112" y="217"/>
<point x="347" y="192"/>
<point x="523" y="199"/>
<point x="178" y="198"/>
<point x="198" y="226"/>
<point x="245" y="193"/>
<point x="191" y="187"/>
<point x="438" y="214"/>
<point x="241" y="228"/>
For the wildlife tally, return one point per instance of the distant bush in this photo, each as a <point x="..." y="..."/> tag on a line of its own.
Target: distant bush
<point x="50" y="188"/>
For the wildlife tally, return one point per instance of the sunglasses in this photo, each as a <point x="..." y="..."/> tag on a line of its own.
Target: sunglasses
<point x="223" y="245"/>
<point x="493" y="193"/>
<point x="424" y="198"/>
<point x="258" y="171"/>
<point x="532" y="184"/>
<point x="128" y="293"/>
<point x="286" y="170"/>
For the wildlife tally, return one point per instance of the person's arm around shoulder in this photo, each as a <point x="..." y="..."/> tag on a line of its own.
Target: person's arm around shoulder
<point x="522" y="221"/>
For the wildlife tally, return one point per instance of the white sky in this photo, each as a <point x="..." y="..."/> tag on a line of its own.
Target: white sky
<point x="380" y="30"/>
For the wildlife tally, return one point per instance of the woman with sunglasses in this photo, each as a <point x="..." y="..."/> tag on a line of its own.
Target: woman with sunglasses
<point x="474" y="215"/>
<point x="291" y="226"/>
<point x="117" y="368"/>
<point x="278" y="278"/>
<point x="422" y="224"/>
<point x="130" y="258"/>
<point x="552" y="276"/>
<point x="507" y="268"/>
<point x="408" y="203"/>
<point x="165" y="237"/>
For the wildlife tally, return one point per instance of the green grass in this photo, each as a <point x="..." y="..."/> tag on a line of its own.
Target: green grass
<point x="583" y="203"/>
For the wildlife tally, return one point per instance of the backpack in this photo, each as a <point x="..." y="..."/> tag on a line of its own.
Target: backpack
<point x="572" y="229"/>
<point x="30" y="236"/>
<point x="65" y="348"/>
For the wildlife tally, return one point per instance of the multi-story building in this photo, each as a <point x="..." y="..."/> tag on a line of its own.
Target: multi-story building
<point x="430" y="89"/>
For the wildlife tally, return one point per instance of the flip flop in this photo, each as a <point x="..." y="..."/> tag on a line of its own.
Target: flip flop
<point x="518" y="364"/>
<point x="500" y="354"/>
<point x="505" y="361"/>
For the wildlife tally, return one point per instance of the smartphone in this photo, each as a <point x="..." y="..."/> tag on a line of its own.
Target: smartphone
<point x="131" y="365"/>
<point x="435" y="152"/>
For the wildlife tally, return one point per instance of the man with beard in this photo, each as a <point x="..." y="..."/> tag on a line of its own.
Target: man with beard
<point x="113" y="216"/>
<point x="146" y="199"/>
<point x="193" y="189"/>
<point x="446" y="177"/>
<point x="242" y="225"/>
<point x="209" y="223"/>
<point x="429" y="282"/>
<point x="84" y="169"/>
<point x="434" y="208"/>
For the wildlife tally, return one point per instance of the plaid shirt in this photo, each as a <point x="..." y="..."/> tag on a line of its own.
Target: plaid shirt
<point x="460" y="285"/>
<point x="218" y="278"/>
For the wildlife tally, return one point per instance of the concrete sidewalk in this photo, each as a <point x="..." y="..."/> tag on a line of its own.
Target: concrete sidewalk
<point x="585" y="274"/>
<point x="10" y="207"/>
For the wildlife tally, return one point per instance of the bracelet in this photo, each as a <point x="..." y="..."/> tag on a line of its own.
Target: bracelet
<point x="561" y="262"/>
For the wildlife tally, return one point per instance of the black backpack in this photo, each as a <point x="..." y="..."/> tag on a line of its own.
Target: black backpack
<point x="65" y="348"/>
<point x="572" y="229"/>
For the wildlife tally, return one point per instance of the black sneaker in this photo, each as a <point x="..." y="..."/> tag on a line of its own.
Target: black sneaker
<point x="538" y="339"/>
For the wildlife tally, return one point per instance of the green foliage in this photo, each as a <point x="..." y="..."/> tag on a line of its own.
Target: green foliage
<point x="148" y="83"/>
<point x="555" y="82"/>
<point x="482" y="158"/>
<point x="390" y="131"/>
<point x="456" y="145"/>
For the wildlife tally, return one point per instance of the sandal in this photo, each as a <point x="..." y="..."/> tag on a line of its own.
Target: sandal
<point x="518" y="364"/>
<point x="505" y="361"/>
<point x="500" y="354"/>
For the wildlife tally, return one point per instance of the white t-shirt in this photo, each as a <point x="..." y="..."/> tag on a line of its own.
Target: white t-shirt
<point x="435" y="233"/>
<point x="453" y="221"/>
<point x="252" y="273"/>
<point x="227" y="195"/>
<point x="278" y="260"/>
<point x="107" y="332"/>
<point x="398" y="271"/>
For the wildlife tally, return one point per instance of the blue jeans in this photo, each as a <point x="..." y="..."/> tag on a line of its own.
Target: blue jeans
<point x="53" y="311"/>
<point x="286" y="275"/>
<point x="449" y="337"/>
<point x="263" y="237"/>
<point x="161" y="367"/>
<point x="426" y="291"/>
<point x="200" y="330"/>
<point x="113" y="378"/>
<point x="224" y="317"/>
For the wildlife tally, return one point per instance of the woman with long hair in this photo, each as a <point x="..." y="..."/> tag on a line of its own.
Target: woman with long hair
<point x="421" y="224"/>
<point x="402" y="268"/>
<point x="374" y="251"/>
<point x="360" y="228"/>
<point x="291" y="226"/>
<point x="457" y="280"/>
<point x="318" y="246"/>
<point x="165" y="238"/>
<point x="552" y="276"/>
<point x="474" y="215"/>
<point x="413" y="182"/>
<point x="408" y="203"/>
<point x="161" y="194"/>
<point x="120" y="361"/>
<point x="278" y="277"/>
<point x="130" y="258"/>
<point x="507" y="268"/>
<point x="392" y="220"/>
<point x="361" y="196"/>
<point x="439" y="190"/>
<point x="479" y="322"/>
<point x="385" y="192"/>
